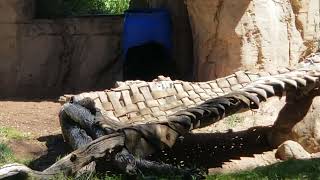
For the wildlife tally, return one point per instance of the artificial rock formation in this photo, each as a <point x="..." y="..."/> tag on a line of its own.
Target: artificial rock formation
<point x="299" y="123"/>
<point x="291" y="150"/>
<point x="251" y="34"/>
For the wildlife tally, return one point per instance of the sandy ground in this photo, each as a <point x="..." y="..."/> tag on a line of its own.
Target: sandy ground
<point x="38" y="119"/>
<point x="35" y="118"/>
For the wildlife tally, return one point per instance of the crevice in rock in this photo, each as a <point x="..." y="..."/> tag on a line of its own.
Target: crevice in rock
<point x="296" y="6"/>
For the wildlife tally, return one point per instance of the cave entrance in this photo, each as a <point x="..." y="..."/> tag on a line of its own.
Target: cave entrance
<point x="148" y="61"/>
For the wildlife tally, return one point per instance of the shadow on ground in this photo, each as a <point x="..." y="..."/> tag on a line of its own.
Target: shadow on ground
<point x="208" y="150"/>
<point x="201" y="150"/>
<point x="57" y="148"/>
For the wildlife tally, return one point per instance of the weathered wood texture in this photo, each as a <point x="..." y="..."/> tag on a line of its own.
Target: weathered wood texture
<point x="136" y="102"/>
<point x="122" y="147"/>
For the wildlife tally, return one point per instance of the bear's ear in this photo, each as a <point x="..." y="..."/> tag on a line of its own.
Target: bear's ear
<point x="88" y="103"/>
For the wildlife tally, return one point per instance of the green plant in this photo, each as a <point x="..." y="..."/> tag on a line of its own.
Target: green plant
<point x="6" y="154"/>
<point x="292" y="169"/>
<point x="11" y="133"/>
<point x="116" y="6"/>
<point x="233" y="121"/>
<point x="64" y="8"/>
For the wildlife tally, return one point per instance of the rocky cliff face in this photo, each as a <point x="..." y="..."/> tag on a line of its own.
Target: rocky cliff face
<point x="251" y="34"/>
<point x="260" y="34"/>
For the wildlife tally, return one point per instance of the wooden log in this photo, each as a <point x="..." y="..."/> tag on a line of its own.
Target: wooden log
<point x="143" y="140"/>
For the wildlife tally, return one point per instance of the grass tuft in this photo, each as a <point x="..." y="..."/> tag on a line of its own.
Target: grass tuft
<point x="11" y="133"/>
<point x="292" y="169"/>
<point x="6" y="154"/>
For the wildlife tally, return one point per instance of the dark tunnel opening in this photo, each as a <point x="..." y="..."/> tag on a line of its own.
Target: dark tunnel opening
<point x="148" y="61"/>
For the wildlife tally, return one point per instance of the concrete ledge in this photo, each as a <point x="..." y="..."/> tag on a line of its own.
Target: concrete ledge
<point x="16" y="11"/>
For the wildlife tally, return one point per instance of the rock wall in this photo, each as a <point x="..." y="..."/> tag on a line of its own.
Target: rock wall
<point x="233" y="35"/>
<point x="299" y="123"/>
<point x="42" y="57"/>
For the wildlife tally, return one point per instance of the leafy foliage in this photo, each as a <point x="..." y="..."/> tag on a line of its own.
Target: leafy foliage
<point x="65" y="8"/>
<point x="116" y="6"/>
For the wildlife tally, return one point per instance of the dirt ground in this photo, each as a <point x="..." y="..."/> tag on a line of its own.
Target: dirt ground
<point x="38" y="119"/>
<point x="35" y="118"/>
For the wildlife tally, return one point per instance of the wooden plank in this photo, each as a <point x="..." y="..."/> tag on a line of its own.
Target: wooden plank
<point x="141" y="105"/>
<point x="162" y="101"/>
<point x="162" y="118"/>
<point x="143" y="108"/>
<point x="168" y="84"/>
<point x="123" y="119"/>
<point x="115" y="101"/>
<point x="152" y="103"/>
<point x="93" y="95"/>
<point x="85" y="94"/>
<point x="156" y="112"/>
<point x="132" y="108"/>
<point x="211" y="93"/>
<point x="98" y="104"/>
<point x="193" y="95"/>
<point x="159" y="94"/>
<point x="232" y="81"/>
<point x="187" y="86"/>
<point x="198" y="101"/>
<point x="121" y="88"/>
<point x="263" y="73"/>
<point x="181" y="93"/>
<point x="126" y="97"/>
<point x="223" y="83"/>
<point x="149" y="118"/>
<point x="103" y="97"/>
<point x="253" y="76"/>
<point x="216" y="88"/>
<point x="155" y="86"/>
<point x="110" y="114"/>
<point x="187" y="102"/>
<point x="226" y="90"/>
<point x="242" y="77"/>
<point x="171" y="99"/>
<point x="104" y="101"/>
<point x="204" y="85"/>
<point x="171" y="91"/>
<point x="204" y="96"/>
<point x="136" y="95"/>
<point x="197" y="88"/>
<point x="142" y="84"/>
<point x="283" y="70"/>
<point x="146" y="93"/>
<point x="236" y="87"/>
<point x="169" y="106"/>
